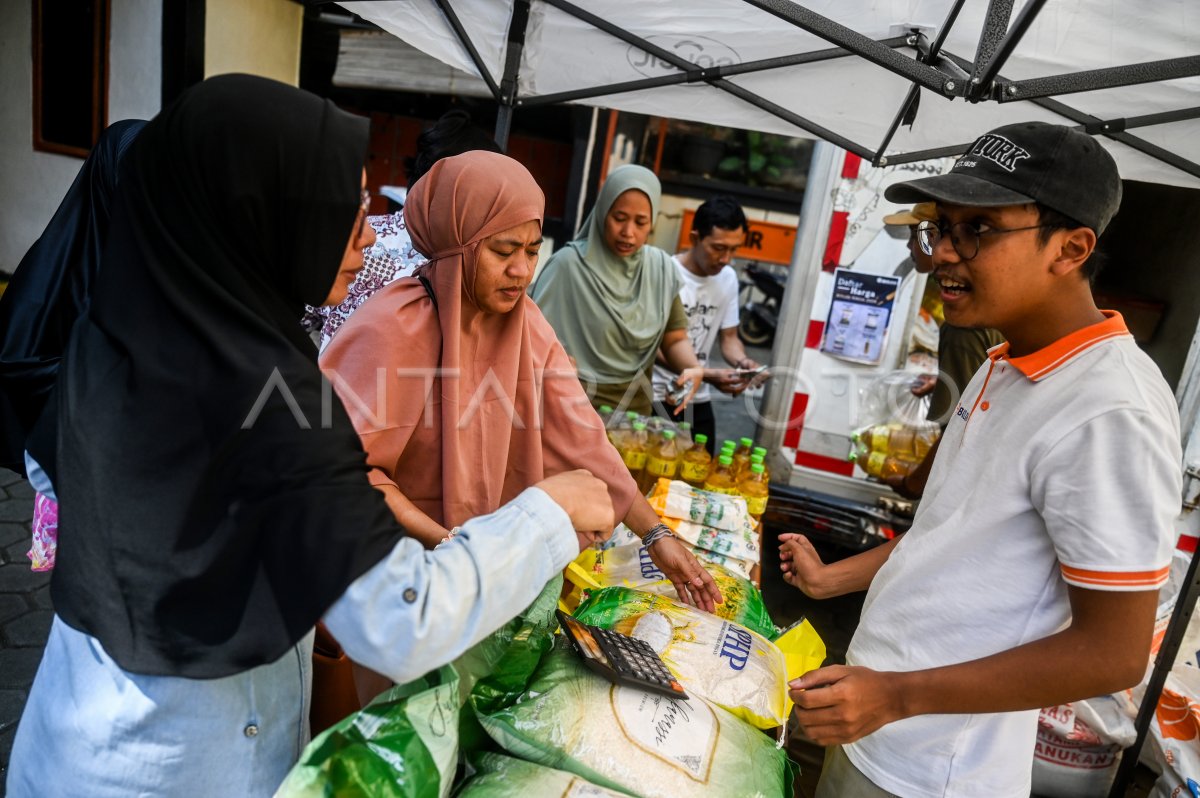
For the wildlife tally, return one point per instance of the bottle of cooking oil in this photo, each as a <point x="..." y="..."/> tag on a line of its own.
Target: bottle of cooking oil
<point x="695" y="462"/>
<point x="741" y="457"/>
<point x="720" y="478"/>
<point x="683" y="435"/>
<point x="895" y="439"/>
<point x="622" y="428"/>
<point x="661" y="461"/>
<point x="753" y="487"/>
<point x="606" y="415"/>
<point x="925" y="438"/>
<point x="882" y="466"/>
<point x="761" y="460"/>
<point x="633" y="450"/>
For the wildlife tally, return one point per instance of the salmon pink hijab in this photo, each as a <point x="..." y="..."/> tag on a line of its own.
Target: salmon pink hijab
<point x="458" y="408"/>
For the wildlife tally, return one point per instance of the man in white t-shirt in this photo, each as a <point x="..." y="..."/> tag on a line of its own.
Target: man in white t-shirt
<point x="710" y="298"/>
<point x="1030" y="575"/>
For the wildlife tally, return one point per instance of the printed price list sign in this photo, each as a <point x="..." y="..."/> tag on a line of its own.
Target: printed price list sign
<point x="859" y="315"/>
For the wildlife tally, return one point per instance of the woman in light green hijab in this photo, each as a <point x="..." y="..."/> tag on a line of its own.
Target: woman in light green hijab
<point x="613" y="300"/>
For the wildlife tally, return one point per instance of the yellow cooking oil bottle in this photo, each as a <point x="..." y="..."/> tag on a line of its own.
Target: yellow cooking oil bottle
<point x="695" y="462"/>
<point x="621" y="428"/>
<point x="753" y="487"/>
<point x="720" y="478"/>
<point x="741" y="457"/>
<point x="662" y="461"/>
<point x="633" y="450"/>
<point x="761" y="459"/>
<point x="882" y="466"/>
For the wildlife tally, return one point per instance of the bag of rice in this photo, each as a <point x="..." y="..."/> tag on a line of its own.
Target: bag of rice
<point x="632" y="741"/>
<point x="504" y="777"/>
<point x="675" y="499"/>
<point x="630" y="566"/>
<point x="406" y="743"/>
<point x="403" y="744"/>
<point x="713" y="658"/>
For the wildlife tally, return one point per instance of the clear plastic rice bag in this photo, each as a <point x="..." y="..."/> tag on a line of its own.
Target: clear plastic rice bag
<point x="715" y="659"/>
<point x="499" y="776"/>
<point x="632" y="741"/>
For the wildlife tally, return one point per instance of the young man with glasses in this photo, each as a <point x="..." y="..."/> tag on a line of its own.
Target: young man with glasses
<point x="1030" y="575"/>
<point x="960" y="350"/>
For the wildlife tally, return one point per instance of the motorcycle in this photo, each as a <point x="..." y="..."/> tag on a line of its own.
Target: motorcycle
<point x="758" y="320"/>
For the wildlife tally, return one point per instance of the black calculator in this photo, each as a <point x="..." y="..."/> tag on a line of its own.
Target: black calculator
<point x="620" y="658"/>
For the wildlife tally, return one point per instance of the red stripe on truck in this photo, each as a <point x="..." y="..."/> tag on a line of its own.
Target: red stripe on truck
<point x="837" y="237"/>
<point x="822" y="463"/>
<point x="816" y="329"/>
<point x="791" y="438"/>
<point x="851" y="165"/>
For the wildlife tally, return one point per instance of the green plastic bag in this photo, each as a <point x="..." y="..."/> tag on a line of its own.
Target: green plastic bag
<point x="497" y="670"/>
<point x="502" y="776"/>
<point x="633" y="741"/>
<point x="403" y="745"/>
<point x="406" y="743"/>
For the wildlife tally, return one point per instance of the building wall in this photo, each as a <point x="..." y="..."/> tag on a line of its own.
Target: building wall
<point x="260" y="37"/>
<point x="33" y="183"/>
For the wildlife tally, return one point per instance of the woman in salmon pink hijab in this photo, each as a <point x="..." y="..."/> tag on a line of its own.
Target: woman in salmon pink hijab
<point x="459" y="389"/>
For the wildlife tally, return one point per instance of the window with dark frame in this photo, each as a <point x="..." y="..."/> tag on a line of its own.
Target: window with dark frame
<point x="70" y="74"/>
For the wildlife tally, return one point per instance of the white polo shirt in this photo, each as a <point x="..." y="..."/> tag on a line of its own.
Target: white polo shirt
<point x="1059" y="468"/>
<point x="711" y="304"/>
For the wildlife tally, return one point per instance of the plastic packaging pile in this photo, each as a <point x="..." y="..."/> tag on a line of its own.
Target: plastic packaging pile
<point x="520" y="715"/>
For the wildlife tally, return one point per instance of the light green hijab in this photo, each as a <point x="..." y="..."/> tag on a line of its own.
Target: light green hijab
<point x="609" y="312"/>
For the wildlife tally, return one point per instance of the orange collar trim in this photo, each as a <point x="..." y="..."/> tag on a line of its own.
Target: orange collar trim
<point x="1046" y="360"/>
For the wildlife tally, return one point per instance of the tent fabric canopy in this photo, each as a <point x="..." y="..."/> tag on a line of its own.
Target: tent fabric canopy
<point x="844" y="70"/>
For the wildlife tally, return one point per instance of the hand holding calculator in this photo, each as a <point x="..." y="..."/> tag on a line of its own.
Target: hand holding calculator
<point x="620" y="658"/>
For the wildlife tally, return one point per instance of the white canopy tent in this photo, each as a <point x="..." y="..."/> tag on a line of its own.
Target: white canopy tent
<point x="854" y="74"/>
<point x="893" y="81"/>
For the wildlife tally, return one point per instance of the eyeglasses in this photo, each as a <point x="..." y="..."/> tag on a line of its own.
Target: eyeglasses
<point x="364" y="205"/>
<point x="964" y="236"/>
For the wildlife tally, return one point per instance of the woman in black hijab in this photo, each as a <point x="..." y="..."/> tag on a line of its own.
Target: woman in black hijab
<point x="213" y="495"/>
<point x="47" y="294"/>
<point x="50" y="289"/>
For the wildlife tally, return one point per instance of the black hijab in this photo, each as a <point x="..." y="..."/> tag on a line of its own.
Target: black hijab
<point x="50" y="290"/>
<point x="213" y="493"/>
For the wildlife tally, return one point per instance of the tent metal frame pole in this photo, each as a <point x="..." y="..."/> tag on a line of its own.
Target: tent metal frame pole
<point x="512" y="65"/>
<point x="1113" y="129"/>
<point x="929" y="54"/>
<point x="1004" y="49"/>
<point x="1096" y="127"/>
<point x="995" y="26"/>
<point x="696" y="75"/>
<point x="1096" y="79"/>
<point x="719" y="83"/>
<point x="812" y="22"/>
<point x="465" y="40"/>
<point x="1185" y="605"/>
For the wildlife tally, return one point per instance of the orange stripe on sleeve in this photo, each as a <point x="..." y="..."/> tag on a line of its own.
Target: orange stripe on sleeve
<point x="1081" y="577"/>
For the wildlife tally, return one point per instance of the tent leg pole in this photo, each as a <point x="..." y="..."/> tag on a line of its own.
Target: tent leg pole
<point x="1185" y="604"/>
<point x="512" y="63"/>
<point x="503" y="126"/>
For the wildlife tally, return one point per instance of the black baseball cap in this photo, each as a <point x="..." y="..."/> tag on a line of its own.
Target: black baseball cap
<point x="1062" y="168"/>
